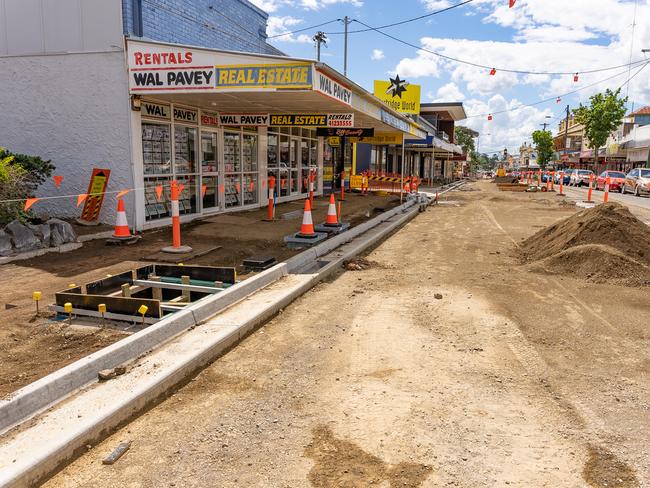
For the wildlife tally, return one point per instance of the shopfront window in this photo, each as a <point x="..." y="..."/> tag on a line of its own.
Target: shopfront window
<point x="184" y="149"/>
<point x="156" y="149"/>
<point x="209" y="171"/>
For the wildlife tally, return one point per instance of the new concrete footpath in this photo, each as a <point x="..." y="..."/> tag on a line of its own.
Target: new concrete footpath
<point x="190" y="340"/>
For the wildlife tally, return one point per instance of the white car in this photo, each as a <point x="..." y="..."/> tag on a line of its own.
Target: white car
<point x="637" y="181"/>
<point x="580" y="177"/>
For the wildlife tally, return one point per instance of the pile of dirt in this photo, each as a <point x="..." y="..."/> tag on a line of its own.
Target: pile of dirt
<point x="605" y="244"/>
<point x="358" y="264"/>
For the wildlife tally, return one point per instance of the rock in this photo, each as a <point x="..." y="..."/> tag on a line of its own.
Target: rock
<point x="42" y="232"/>
<point x="438" y="296"/>
<point x="23" y="238"/>
<point x="106" y="374"/>
<point x="5" y="243"/>
<point x="62" y="232"/>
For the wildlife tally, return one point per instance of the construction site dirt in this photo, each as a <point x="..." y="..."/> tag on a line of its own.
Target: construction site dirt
<point x="447" y="362"/>
<point x="31" y="347"/>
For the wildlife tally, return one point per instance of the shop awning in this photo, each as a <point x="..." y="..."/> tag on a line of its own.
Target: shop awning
<point x="228" y="82"/>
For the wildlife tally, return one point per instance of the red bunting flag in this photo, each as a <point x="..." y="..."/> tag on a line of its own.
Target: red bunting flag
<point x="493" y="71"/>
<point x="180" y="188"/>
<point x="558" y="100"/>
<point x="576" y="78"/>
<point x="29" y="202"/>
<point x="204" y="188"/>
<point x="81" y="198"/>
<point x="237" y="188"/>
<point x="122" y="193"/>
<point x="251" y="187"/>
<point x="159" y="190"/>
<point x="221" y="189"/>
<point x="282" y="182"/>
<point x="512" y="3"/>
<point x="57" y="180"/>
<point x="490" y="117"/>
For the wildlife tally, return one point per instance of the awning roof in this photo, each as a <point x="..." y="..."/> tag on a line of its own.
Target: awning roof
<point x="246" y="97"/>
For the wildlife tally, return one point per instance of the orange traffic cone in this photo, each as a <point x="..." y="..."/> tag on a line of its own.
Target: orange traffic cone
<point x="331" y="218"/>
<point x="307" y="228"/>
<point x="121" y="224"/>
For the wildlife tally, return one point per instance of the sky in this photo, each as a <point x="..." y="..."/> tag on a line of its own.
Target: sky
<point x="536" y="35"/>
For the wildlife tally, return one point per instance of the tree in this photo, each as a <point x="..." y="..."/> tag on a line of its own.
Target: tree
<point x="463" y="137"/>
<point x="544" y="146"/>
<point x="603" y="115"/>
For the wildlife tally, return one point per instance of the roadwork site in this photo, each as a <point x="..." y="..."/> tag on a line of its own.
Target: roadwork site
<point x="458" y="352"/>
<point x="31" y="347"/>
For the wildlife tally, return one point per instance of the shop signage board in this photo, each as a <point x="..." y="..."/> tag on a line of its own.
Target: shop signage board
<point x="244" y="119"/>
<point x="334" y="141"/>
<point x="156" y="110"/>
<point x="186" y="115"/>
<point x="400" y="95"/>
<point x="351" y="132"/>
<point x="95" y="198"/>
<point x="332" y="88"/>
<point x="380" y="139"/>
<point x="210" y="119"/>
<point x="286" y="75"/>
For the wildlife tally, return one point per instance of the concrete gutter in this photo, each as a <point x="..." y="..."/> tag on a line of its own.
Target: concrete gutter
<point x="32" y="454"/>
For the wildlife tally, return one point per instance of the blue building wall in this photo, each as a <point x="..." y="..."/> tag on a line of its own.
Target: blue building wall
<point x="235" y="25"/>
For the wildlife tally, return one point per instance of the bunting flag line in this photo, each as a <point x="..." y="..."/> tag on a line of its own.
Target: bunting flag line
<point x="159" y="190"/>
<point x="512" y="3"/>
<point x="493" y="71"/>
<point x="180" y="188"/>
<point x="57" y="180"/>
<point x="238" y="188"/>
<point x="221" y="189"/>
<point x="29" y="202"/>
<point x="204" y="188"/>
<point x="81" y="198"/>
<point x="251" y="187"/>
<point x="122" y="193"/>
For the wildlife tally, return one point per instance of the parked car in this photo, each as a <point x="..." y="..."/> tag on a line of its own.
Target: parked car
<point x="637" y="181"/>
<point x="580" y="177"/>
<point x="567" y="176"/>
<point x="616" y="180"/>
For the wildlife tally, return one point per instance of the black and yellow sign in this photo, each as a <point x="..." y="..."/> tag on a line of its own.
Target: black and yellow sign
<point x="302" y="120"/>
<point x="334" y="141"/>
<point x="400" y="95"/>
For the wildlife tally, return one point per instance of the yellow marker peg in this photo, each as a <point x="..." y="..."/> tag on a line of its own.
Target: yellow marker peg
<point x="101" y="308"/>
<point x="143" y="310"/>
<point x="37" y="298"/>
<point x="67" y="308"/>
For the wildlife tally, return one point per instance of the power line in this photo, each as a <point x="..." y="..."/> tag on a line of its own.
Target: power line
<point x="305" y="29"/>
<point x="402" y="22"/>
<point x="505" y="70"/>
<point x="546" y="100"/>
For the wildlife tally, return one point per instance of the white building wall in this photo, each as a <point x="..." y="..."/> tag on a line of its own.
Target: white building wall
<point x="73" y="109"/>
<point x="57" y="26"/>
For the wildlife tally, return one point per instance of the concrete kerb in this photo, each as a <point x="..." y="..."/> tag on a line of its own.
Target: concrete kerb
<point x="43" y="393"/>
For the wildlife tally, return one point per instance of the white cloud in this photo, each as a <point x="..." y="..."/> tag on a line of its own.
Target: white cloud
<point x="377" y="54"/>
<point x="508" y="129"/>
<point x="433" y="5"/>
<point x="448" y="93"/>
<point x="280" y="25"/>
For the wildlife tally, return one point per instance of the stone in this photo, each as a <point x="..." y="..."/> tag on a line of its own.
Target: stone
<point x="42" y="232"/>
<point x="64" y="230"/>
<point x="438" y="296"/>
<point x="23" y="238"/>
<point x="56" y="239"/>
<point x="5" y="243"/>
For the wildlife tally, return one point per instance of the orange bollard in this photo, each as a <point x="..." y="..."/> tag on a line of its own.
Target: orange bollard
<point x="561" y="182"/>
<point x="548" y="181"/>
<point x="271" y="214"/>
<point x="342" y="185"/>
<point x="312" y="177"/>
<point x="176" y="223"/>
<point x="339" y="214"/>
<point x="606" y="196"/>
<point x="539" y="178"/>
<point x="552" y="180"/>
<point x="591" y="177"/>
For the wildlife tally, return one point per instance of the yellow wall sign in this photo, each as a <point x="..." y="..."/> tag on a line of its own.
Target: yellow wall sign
<point x="380" y="139"/>
<point x="334" y="141"/>
<point x="400" y="95"/>
<point x="289" y="75"/>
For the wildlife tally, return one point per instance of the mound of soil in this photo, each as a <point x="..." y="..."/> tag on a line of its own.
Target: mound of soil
<point x="610" y="224"/>
<point x="603" y="244"/>
<point x="598" y="264"/>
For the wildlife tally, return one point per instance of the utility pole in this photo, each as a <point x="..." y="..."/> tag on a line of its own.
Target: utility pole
<point x="319" y="38"/>
<point x="346" y="22"/>
<point x="566" y="131"/>
<point x="544" y="125"/>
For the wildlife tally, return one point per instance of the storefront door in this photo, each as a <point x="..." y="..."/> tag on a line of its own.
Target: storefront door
<point x="209" y="172"/>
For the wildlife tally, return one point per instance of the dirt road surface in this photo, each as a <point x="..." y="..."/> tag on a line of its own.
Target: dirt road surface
<point x="508" y="378"/>
<point x="31" y="347"/>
